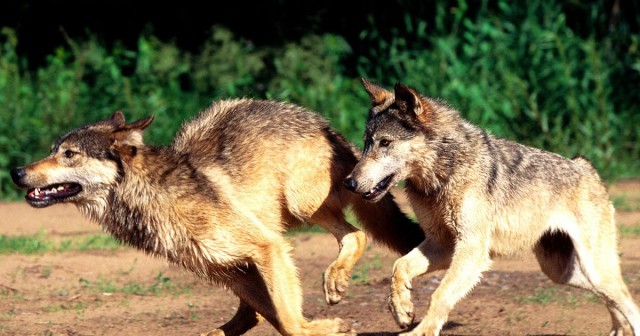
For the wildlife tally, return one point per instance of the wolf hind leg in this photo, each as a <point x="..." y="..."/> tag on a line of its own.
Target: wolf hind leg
<point x="244" y="319"/>
<point x="270" y="286"/>
<point x="351" y="242"/>
<point x="562" y="263"/>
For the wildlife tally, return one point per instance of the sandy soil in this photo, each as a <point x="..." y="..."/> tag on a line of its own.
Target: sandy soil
<point x="125" y="292"/>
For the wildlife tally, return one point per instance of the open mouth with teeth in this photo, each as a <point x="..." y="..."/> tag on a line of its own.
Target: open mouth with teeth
<point x="44" y="196"/>
<point x="379" y="189"/>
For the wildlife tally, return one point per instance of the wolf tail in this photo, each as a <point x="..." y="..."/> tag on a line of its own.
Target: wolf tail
<point x="387" y="224"/>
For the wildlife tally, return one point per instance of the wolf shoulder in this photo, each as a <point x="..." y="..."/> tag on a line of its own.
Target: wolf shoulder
<point x="246" y="118"/>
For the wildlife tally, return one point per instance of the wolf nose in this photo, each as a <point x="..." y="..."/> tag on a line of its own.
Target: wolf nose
<point x="17" y="174"/>
<point x="350" y="183"/>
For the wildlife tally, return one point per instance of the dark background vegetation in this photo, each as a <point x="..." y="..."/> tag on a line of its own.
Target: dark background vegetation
<point x="560" y="75"/>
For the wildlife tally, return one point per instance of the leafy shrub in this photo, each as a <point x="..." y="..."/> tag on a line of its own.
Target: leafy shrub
<point x="521" y="70"/>
<point x="523" y="73"/>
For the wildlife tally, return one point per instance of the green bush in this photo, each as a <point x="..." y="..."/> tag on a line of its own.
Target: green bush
<point x="520" y="70"/>
<point x="310" y="73"/>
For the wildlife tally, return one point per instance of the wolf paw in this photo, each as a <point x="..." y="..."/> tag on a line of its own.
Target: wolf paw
<point x="334" y="327"/>
<point x="335" y="282"/>
<point x="416" y="332"/>
<point x="402" y="308"/>
<point x="216" y="332"/>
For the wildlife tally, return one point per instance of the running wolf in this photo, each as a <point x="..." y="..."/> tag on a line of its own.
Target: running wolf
<point x="477" y="197"/>
<point x="219" y="198"/>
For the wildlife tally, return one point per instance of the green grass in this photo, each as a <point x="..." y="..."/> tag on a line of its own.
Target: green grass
<point x="360" y="274"/>
<point x="522" y="70"/>
<point x="626" y="203"/>
<point x="306" y="229"/>
<point x="541" y="296"/>
<point x="629" y="231"/>
<point x="79" y="307"/>
<point x="40" y="243"/>
<point x="161" y="285"/>
<point x="563" y="297"/>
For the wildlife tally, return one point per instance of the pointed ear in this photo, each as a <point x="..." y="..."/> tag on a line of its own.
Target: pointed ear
<point x="131" y="134"/>
<point x="117" y="119"/>
<point x="409" y="102"/>
<point x="140" y="124"/>
<point x="377" y="94"/>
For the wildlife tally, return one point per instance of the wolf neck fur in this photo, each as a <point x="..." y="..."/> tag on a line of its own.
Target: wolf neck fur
<point x="446" y="153"/>
<point x="135" y="212"/>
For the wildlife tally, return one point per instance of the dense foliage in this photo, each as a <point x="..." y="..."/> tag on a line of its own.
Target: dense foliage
<point x="530" y="72"/>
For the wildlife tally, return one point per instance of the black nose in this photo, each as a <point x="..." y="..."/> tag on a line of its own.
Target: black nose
<point x="17" y="174"/>
<point x="350" y="183"/>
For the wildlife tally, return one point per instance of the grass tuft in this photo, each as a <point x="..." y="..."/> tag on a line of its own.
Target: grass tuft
<point x="40" y="244"/>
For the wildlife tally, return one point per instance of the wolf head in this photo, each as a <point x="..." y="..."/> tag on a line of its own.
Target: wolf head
<point x="399" y="124"/>
<point x="83" y="164"/>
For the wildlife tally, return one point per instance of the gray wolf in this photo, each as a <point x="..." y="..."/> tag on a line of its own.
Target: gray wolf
<point x="219" y="198"/>
<point x="478" y="197"/>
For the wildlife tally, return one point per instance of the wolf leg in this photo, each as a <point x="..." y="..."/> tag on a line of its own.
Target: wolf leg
<point x="567" y="261"/>
<point x="244" y="319"/>
<point x="351" y="242"/>
<point x="271" y="286"/>
<point x="427" y="257"/>
<point x="470" y="258"/>
<point x="604" y="274"/>
<point x="559" y="261"/>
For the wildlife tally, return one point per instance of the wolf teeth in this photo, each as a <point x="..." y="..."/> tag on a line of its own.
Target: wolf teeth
<point x="53" y="190"/>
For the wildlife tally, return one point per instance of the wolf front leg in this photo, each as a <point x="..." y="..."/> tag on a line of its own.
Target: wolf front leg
<point x="427" y="257"/>
<point x="351" y="242"/>
<point x="337" y="276"/>
<point x="470" y="259"/>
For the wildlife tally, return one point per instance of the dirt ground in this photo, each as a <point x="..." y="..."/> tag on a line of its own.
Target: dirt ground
<point x="125" y="292"/>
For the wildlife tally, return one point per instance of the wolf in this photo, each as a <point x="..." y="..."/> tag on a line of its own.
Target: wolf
<point x="219" y="198"/>
<point x="478" y="197"/>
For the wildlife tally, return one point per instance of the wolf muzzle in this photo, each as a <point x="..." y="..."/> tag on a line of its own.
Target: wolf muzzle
<point x="17" y="174"/>
<point x="350" y="183"/>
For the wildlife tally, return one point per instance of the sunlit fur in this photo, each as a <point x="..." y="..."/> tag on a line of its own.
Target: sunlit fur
<point x="219" y="198"/>
<point x="478" y="197"/>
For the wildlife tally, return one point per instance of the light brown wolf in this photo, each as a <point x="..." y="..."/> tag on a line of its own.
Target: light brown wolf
<point x="219" y="198"/>
<point x="478" y="197"/>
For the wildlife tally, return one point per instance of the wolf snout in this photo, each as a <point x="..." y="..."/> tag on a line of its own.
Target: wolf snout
<point x="17" y="174"/>
<point x="350" y="183"/>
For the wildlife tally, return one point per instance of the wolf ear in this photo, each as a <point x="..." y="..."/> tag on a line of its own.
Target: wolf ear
<point x="377" y="94"/>
<point x="140" y="124"/>
<point x="409" y="102"/>
<point x="117" y="119"/>
<point x="131" y="134"/>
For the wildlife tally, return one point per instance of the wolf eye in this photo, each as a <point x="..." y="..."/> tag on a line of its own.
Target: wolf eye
<point x="69" y="153"/>
<point x="384" y="143"/>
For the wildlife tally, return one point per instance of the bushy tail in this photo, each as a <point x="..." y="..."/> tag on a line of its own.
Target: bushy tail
<point x="387" y="224"/>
